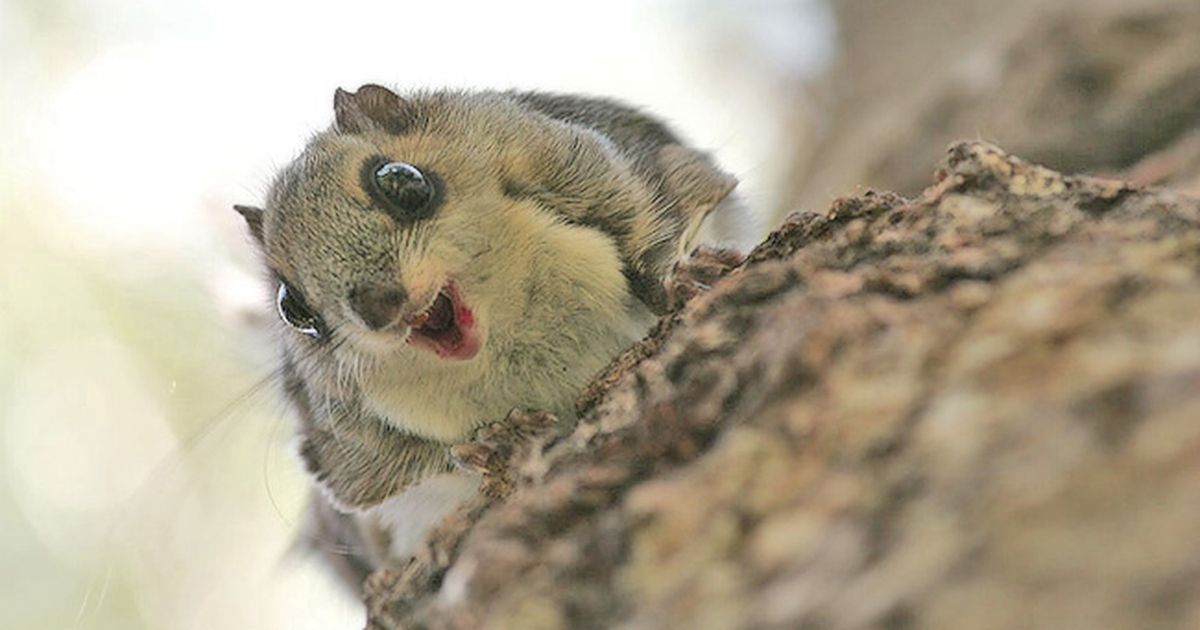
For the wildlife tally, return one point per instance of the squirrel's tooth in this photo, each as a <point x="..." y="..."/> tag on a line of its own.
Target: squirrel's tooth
<point x="419" y="320"/>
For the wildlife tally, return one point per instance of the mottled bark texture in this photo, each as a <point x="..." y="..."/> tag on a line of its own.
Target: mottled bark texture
<point x="978" y="408"/>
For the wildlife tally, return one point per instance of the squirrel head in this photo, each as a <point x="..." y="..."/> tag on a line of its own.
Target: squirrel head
<point x="447" y="256"/>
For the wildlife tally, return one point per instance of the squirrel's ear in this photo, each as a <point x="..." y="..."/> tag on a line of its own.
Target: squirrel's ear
<point x="254" y="220"/>
<point x="372" y="107"/>
<point x="693" y="179"/>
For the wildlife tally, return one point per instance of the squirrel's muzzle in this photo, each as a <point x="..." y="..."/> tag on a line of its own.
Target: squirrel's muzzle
<point x="378" y="306"/>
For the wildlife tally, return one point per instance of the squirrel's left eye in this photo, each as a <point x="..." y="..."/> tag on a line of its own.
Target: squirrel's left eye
<point x="297" y="313"/>
<point x="404" y="190"/>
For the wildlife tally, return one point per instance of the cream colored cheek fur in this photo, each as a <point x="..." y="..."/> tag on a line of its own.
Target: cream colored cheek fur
<point x="540" y="346"/>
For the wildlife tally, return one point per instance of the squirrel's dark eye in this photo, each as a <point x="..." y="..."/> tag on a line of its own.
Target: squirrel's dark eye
<point x="402" y="189"/>
<point x="296" y="312"/>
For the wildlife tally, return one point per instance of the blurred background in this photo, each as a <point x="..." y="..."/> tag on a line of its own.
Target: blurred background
<point x="145" y="473"/>
<point x="146" y="481"/>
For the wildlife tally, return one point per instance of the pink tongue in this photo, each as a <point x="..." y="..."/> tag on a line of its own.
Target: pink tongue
<point x="447" y="328"/>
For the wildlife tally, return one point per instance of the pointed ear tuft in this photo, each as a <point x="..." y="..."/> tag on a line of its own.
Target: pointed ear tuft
<point x="698" y="184"/>
<point x="693" y="178"/>
<point x="371" y="108"/>
<point x="254" y="220"/>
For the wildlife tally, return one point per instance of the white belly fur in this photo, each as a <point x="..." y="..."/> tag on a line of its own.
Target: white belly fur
<point x="408" y="516"/>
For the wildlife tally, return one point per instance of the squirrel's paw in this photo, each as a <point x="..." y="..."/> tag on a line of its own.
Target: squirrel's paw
<point x="698" y="272"/>
<point x="501" y="451"/>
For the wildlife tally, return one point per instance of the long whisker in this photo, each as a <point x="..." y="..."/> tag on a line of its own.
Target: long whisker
<point x="189" y="444"/>
<point x="346" y="368"/>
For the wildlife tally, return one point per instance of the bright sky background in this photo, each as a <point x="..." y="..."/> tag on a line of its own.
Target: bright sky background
<point x="185" y="106"/>
<point x="127" y="129"/>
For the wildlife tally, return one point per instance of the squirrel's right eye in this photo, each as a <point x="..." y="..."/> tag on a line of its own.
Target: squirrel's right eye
<point x="404" y="191"/>
<point x="296" y="312"/>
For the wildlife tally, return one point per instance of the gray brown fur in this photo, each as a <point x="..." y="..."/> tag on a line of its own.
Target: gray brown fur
<point x="684" y="182"/>
<point x="587" y="192"/>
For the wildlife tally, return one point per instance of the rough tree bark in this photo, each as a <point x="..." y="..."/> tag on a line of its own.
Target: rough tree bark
<point x="977" y="408"/>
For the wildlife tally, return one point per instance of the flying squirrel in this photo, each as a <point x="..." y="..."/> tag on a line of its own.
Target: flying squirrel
<point x="443" y="257"/>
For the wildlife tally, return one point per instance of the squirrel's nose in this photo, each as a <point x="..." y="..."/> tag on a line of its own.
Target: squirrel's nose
<point x="378" y="305"/>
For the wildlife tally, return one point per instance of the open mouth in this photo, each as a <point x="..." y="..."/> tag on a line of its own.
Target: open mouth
<point x="446" y="328"/>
